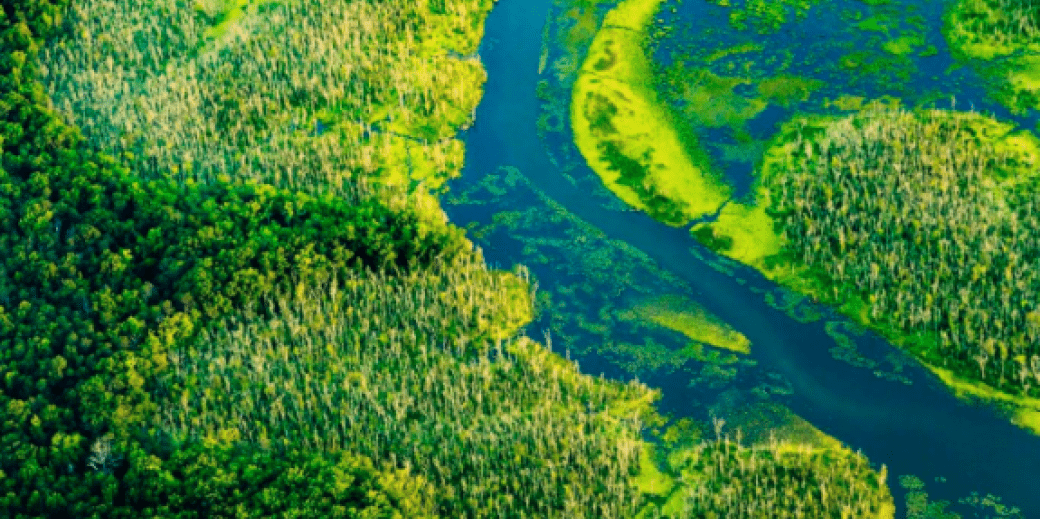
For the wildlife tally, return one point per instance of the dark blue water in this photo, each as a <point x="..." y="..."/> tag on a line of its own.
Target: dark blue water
<point x="915" y="429"/>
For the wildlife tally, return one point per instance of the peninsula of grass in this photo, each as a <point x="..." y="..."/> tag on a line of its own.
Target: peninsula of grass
<point x="694" y="321"/>
<point x="1002" y="38"/>
<point x="627" y="136"/>
<point x="920" y="225"/>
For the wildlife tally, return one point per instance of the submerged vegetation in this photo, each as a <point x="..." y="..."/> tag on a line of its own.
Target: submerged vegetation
<point x="764" y="16"/>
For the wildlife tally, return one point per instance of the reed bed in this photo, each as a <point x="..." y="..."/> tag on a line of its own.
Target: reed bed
<point x="931" y="217"/>
<point x="307" y="94"/>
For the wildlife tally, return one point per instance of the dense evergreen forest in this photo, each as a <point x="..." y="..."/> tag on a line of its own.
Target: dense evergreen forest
<point x="226" y="291"/>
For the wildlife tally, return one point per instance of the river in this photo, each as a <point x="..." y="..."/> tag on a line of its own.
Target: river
<point x="918" y="429"/>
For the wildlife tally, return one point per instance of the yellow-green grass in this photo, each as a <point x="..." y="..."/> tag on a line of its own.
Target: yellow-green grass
<point x="407" y="160"/>
<point x="694" y="321"/>
<point x="1023" y="411"/>
<point x="650" y="479"/>
<point x="1023" y="74"/>
<point x="748" y="230"/>
<point x="653" y="482"/>
<point x="614" y="104"/>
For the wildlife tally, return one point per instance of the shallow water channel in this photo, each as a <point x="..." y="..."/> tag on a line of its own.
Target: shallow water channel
<point x="914" y="428"/>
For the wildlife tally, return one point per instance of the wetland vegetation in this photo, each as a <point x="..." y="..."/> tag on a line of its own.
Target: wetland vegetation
<point x="630" y="137"/>
<point x="1000" y="38"/>
<point x="226" y="291"/>
<point x="930" y="233"/>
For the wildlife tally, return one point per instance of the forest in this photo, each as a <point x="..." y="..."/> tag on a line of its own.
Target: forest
<point x="929" y="217"/>
<point x="228" y="292"/>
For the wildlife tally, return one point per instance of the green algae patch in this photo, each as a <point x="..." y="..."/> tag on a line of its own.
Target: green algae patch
<point x="627" y="136"/>
<point x="1023" y="411"/>
<point x="740" y="48"/>
<point x="874" y="23"/>
<point x="765" y="16"/>
<point x="786" y="90"/>
<point x="846" y="103"/>
<point x="903" y="45"/>
<point x="709" y="100"/>
<point x="692" y="320"/>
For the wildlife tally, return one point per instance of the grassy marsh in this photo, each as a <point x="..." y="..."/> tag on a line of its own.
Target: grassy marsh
<point x="693" y="321"/>
<point x="627" y="136"/>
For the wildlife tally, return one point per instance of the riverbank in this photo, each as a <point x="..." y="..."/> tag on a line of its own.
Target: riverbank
<point x="628" y="136"/>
